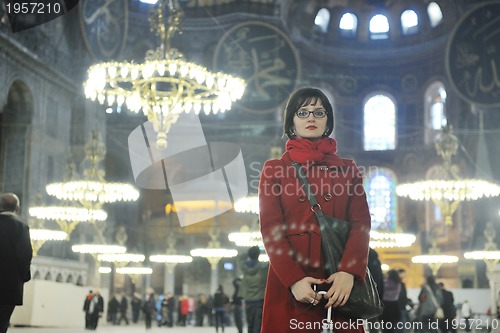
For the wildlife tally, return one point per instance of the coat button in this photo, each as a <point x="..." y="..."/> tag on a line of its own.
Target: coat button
<point x="328" y="197"/>
<point x="302" y="198"/>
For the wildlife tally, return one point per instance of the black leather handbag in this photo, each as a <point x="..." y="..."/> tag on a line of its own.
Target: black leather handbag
<point x="364" y="301"/>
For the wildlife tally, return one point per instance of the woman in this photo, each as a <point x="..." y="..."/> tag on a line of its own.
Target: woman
<point x="290" y="230"/>
<point x="430" y="298"/>
<point x="391" y="296"/>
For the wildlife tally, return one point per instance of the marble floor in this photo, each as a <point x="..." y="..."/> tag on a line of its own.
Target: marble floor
<point x="120" y="329"/>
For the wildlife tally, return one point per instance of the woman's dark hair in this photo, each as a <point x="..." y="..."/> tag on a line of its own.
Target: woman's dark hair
<point x="254" y="252"/>
<point x="305" y="96"/>
<point x="394" y="276"/>
<point x="431" y="281"/>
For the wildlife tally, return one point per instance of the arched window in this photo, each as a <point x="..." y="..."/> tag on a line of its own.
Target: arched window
<point x="348" y="25"/>
<point x="435" y="14"/>
<point x="379" y="27"/>
<point x="322" y="20"/>
<point x="435" y="110"/>
<point x="379" y="123"/>
<point x="380" y="186"/>
<point x="409" y="22"/>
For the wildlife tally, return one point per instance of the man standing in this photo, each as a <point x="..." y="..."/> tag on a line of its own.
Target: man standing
<point x="403" y="299"/>
<point x="96" y="309"/>
<point x="449" y="310"/>
<point x="15" y="257"/>
<point x="123" y="310"/>
<point x="86" y="307"/>
<point x="253" y="287"/>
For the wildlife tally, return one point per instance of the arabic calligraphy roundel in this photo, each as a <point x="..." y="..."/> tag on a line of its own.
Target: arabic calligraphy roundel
<point x="265" y="57"/>
<point x="104" y="25"/>
<point x="473" y="56"/>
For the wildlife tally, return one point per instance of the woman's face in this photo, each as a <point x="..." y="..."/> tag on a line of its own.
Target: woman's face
<point x="310" y="126"/>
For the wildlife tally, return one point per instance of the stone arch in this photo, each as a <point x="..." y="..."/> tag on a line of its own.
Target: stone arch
<point x="79" y="281"/>
<point x="15" y="130"/>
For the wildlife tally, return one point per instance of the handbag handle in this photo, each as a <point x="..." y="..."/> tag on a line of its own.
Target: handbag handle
<point x="315" y="206"/>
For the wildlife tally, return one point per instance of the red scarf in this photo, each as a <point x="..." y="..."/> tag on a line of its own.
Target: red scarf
<point x="304" y="150"/>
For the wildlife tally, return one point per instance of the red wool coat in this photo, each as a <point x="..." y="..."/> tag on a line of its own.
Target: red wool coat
<point x="292" y="238"/>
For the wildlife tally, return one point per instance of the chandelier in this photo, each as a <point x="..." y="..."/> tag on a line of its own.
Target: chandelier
<point x="247" y="205"/>
<point x="41" y="236"/>
<point x="490" y="255"/>
<point x="96" y="249"/>
<point x="171" y="258"/>
<point x="121" y="258"/>
<point x="246" y="238"/>
<point x="67" y="217"/>
<point x="434" y="259"/>
<point x="451" y="190"/>
<point x="379" y="239"/>
<point x="134" y="270"/>
<point x="214" y="255"/>
<point x="93" y="191"/>
<point x="214" y="252"/>
<point x="165" y="85"/>
<point x="104" y="270"/>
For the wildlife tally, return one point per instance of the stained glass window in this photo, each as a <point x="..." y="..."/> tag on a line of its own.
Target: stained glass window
<point x="380" y="186"/>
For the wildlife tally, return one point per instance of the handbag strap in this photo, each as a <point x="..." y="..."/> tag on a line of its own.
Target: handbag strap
<point x="315" y="206"/>
<point x="431" y="293"/>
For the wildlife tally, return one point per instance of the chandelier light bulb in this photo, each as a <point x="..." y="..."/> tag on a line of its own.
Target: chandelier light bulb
<point x="214" y="253"/>
<point x="434" y="259"/>
<point x="47" y="235"/>
<point x="121" y="257"/>
<point x="134" y="270"/>
<point x="98" y="248"/>
<point x="79" y="214"/>
<point x="170" y="258"/>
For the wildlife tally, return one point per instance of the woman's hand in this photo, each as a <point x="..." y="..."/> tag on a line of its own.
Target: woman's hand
<point x="303" y="292"/>
<point x="339" y="292"/>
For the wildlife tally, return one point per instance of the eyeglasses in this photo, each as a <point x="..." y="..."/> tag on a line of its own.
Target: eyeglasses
<point x="316" y="113"/>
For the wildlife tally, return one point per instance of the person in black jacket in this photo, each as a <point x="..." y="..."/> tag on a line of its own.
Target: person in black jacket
<point x="113" y="306"/>
<point x="220" y="301"/>
<point x="449" y="310"/>
<point x="237" y="302"/>
<point x="96" y="309"/>
<point x="403" y="299"/>
<point x="86" y="306"/>
<point x="136" y="307"/>
<point x="123" y="310"/>
<point x="15" y="255"/>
